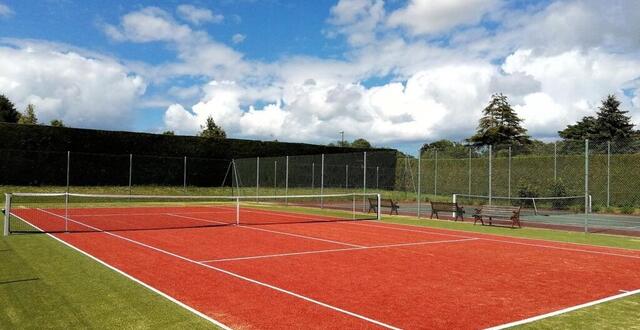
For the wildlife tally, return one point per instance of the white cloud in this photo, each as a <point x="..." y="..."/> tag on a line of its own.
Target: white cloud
<point x="197" y="15"/>
<point x="357" y="20"/>
<point x="5" y="11"/>
<point x="434" y="16"/>
<point x="146" y="25"/>
<point x="81" y="90"/>
<point x="238" y="38"/>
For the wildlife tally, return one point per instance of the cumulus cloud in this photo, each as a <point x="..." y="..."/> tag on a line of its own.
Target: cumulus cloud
<point x="434" y="16"/>
<point x="197" y="15"/>
<point x="356" y="19"/>
<point x="82" y="90"/>
<point x="5" y="11"/>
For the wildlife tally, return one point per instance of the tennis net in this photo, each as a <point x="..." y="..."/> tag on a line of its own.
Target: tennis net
<point x="70" y="212"/>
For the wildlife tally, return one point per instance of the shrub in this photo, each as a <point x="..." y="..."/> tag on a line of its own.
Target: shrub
<point x="527" y="190"/>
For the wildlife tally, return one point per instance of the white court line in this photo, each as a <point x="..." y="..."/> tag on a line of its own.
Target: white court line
<point x="277" y="232"/>
<point x="152" y="213"/>
<point x="338" y="250"/>
<point x="162" y="294"/>
<point x="563" y="311"/>
<point x="512" y="242"/>
<point x="311" y="300"/>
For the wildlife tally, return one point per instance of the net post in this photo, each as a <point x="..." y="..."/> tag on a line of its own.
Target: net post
<point x="184" y="176"/>
<point x="322" y="182"/>
<point x="378" y="208"/>
<point x="66" y="212"/>
<point x="286" y="182"/>
<point x="7" y="213"/>
<point x="586" y="185"/>
<point x="455" y="199"/>
<point x="419" y="180"/>
<point x="237" y="211"/>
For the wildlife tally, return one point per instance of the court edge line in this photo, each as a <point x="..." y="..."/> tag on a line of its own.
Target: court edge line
<point x="512" y="242"/>
<point x="563" y="311"/>
<point x="272" y="231"/>
<point x="339" y="250"/>
<point x="136" y="280"/>
<point x="250" y="280"/>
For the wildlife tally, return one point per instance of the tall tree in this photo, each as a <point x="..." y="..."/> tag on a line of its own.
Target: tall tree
<point x="211" y="130"/>
<point x="499" y="125"/>
<point x="8" y="112"/>
<point x="613" y="123"/>
<point x="586" y="128"/>
<point x="610" y="123"/>
<point x="168" y="133"/>
<point x="29" y="116"/>
<point x="57" y="123"/>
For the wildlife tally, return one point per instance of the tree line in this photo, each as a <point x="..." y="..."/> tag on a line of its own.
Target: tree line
<point x="500" y="125"/>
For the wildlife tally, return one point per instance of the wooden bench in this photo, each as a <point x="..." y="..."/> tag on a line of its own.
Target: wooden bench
<point x="454" y="208"/>
<point x="491" y="212"/>
<point x="384" y="202"/>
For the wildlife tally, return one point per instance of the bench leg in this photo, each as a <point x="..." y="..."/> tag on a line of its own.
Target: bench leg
<point x="434" y="213"/>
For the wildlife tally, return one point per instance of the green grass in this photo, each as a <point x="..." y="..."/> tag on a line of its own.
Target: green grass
<point x="45" y="282"/>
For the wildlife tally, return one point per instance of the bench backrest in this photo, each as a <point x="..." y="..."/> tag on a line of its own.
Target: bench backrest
<point x="384" y="202"/>
<point x="445" y="206"/>
<point x="499" y="210"/>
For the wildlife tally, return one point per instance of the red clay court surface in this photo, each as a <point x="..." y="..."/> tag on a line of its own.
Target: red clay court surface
<point x="350" y="274"/>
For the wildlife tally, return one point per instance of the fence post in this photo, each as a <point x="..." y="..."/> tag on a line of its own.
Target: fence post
<point x="469" y="179"/>
<point x="313" y="175"/>
<point x="377" y="177"/>
<point x="257" y="178"/>
<point x="509" y="179"/>
<point x="322" y="182"/>
<point x="435" y="175"/>
<point x="608" y="172"/>
<point x="184" y="176"/>
<point x="490" y="171"/>
<point x="68" y="168"/>
<point x="275" y="177"/>
<point x="66" y="196"/>
<point x="286" y="182"/>
<point x="346" y="176"/>
<point x="130" y="172"/>
<point x="364" y="182"/>
<point x="586" y="186"/>
<point x="419" y="178"/>
<point x="555" y="161"/>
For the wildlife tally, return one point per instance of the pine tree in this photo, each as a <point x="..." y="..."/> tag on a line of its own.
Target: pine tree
<point x="29" y="116"/>
<point x="8" y="112"/>
<point x="211" y="130"/>
<point x="499" y="125"/>
<point x="613" y="123"/>
<point x="610" y="123"/>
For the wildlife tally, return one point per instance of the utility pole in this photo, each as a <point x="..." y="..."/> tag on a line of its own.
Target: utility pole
<point x="342" y="138"/>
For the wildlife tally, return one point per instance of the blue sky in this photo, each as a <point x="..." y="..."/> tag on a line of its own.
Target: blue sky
<point x="399" y="73"/>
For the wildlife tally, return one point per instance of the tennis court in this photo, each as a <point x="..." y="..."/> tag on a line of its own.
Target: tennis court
<point x="291" y="264"/>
